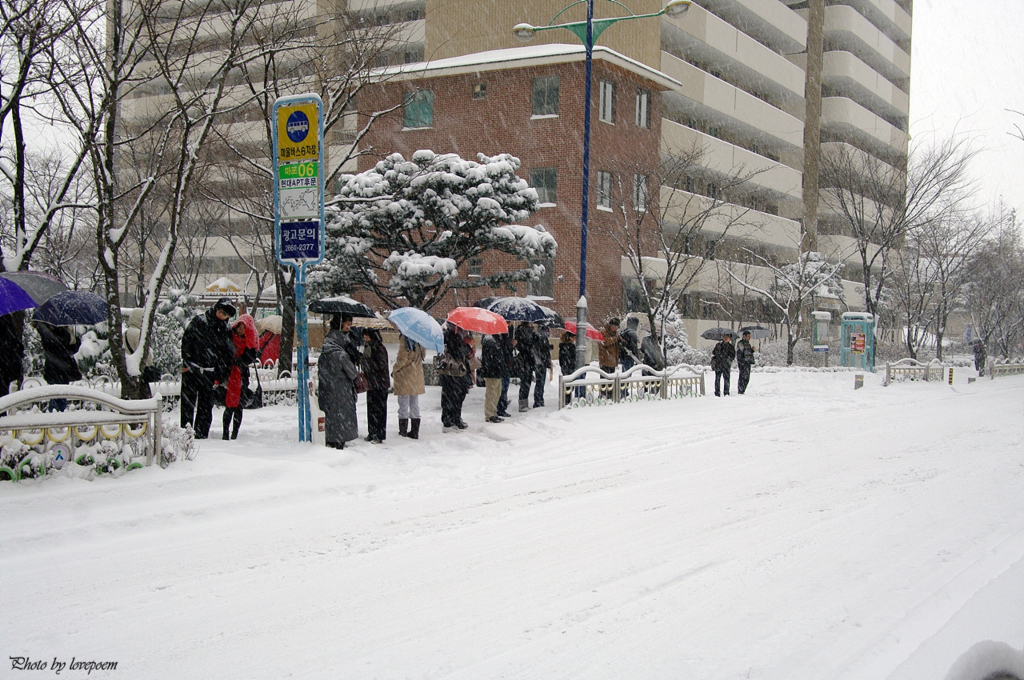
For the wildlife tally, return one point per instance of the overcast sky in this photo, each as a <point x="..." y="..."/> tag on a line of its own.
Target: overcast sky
<point x="967" y="70"/>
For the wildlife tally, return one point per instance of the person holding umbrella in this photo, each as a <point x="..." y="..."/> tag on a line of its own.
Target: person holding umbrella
<point x="507" y="347"/>
<point x="12" y="351"/>
<point x="526" y="341"/>
<point x="59" y="364"/>
<point x="207" y="353"/>
<point x="744" y="360"/>
<point x="721" y="362"/>
<point x="407" y="374"/>
<point x="542" y="363"/>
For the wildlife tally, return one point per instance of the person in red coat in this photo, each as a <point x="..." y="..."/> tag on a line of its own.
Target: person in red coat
<point x="243" y="335"/>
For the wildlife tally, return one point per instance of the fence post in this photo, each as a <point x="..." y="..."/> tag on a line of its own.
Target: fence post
<point x="702" y="392"/>
<point x="927" y="368"/>
<point x="664" y="383"/>
<point x="886" y="383"/>
<point x="616" y="386"/>
<point x="561" y="391"/>
<point x="950" y="375"/>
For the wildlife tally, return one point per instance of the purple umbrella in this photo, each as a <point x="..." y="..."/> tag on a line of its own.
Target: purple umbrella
<point x="40" y="287"/>
<point x="73" y="308"/>
<point x="13" y="297"/>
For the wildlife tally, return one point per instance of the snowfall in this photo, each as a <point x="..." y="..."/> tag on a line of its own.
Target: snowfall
<point x="803" y="531"/>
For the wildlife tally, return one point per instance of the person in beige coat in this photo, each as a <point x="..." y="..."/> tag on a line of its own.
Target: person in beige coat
<point x="408" y="385"/>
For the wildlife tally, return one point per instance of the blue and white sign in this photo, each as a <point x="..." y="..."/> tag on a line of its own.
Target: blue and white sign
<point x="300" y="240"/>
<point x="297" y="127"/>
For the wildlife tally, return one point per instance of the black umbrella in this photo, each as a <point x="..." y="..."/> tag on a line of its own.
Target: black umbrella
<point x="39" y="286"/>
<point x="72" y="308"/>
<point x="518" y="309"/>
<point x="756" y="332"/>
<point x="486" y="302"/>
<point x="553" y="320"/>
<point x="717" y="333"/>
<point x="341" y="305"/>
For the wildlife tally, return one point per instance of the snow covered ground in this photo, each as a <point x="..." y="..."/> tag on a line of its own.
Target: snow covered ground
<point x="802" y="531"/>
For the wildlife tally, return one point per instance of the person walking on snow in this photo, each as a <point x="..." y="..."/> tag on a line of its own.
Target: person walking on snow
<point x="207" y="352"/>
<point x="979" y="356"/>
<point x="721" y="362"/>
<point x="744" y="360"/>
<point x="245" y="341"/>
<point x="409" y="384"/>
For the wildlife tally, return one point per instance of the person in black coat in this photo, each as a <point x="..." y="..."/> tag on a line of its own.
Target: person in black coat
<point x="455" y="385"/>
<point x="541" y="363"/>
<point x="59" y="364"/>
<point x="629" y="344"/>
<point x="492" y="370"/>
<point x="567" y="360"/>
<point x="12" y="350"/>
<point x="507" y="348"/>
<point x="526" y="362"/>
<point x="744" y="360"/>
<point x="207" y="353"/>
<point x="721" y="362"/>
<point x="378" y="381"/>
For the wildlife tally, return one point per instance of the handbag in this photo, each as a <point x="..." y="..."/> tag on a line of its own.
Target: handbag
<point x="446" y="365"/>
<point x="250" y="399"/>
<point x="360" y="383"/>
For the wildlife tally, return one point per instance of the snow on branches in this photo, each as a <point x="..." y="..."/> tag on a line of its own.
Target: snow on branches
<point x="404" y="227"/>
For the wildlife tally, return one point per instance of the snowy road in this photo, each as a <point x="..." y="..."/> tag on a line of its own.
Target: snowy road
<point x="803" y="530"/>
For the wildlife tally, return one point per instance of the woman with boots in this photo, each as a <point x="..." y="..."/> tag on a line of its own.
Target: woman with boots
<point x="455" y="378"/>
<point x="407" y="374"/>
<point x="375" y="368"/>
<point x="243" y="335"/>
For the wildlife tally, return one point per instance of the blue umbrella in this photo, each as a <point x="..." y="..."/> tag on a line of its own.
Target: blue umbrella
<point x="518" y="309"/>
<point x="418" y="326"/>
<point x="13" y="297"/>
<point x="72" y="308"/>
<point x="40" y="287"/>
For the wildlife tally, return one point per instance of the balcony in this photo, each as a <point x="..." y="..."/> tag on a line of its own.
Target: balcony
<point x="734" y="221"/>
<point x="727" y="159"/>
<point x="888" y="16"/>
<point x="850" y="76"/>
<point x="703" y="95"/>
<point x="849" y="120"/>
<point x="846" y="29"/>
<point x="701" y="35"/>
<point x="769" y="21"/>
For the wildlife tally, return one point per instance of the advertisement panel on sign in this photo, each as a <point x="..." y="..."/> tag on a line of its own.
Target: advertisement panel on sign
<point x="300" y="240"/>
<point x="857" y="341"/>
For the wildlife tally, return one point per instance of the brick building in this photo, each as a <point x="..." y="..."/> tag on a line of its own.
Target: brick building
<point x="529" y="102"/>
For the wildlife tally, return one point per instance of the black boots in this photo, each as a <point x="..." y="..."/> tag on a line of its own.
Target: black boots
<point x="403" y="427"/>
<point x="414" y="431"/>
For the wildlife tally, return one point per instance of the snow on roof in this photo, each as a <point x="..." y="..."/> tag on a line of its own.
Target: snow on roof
<point x="223" y="284"/>
<point x="520" y="57"/>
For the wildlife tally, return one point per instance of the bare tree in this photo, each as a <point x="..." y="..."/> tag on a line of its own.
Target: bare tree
<point x="335" y="57"/>
<point x="995" y="288"/>
<point x="878" y="202"/>
<point x="793" y="288"/>
<point x="667" y="232"/>
<point x="31" y="35"/>
<point x="929" y="281"/>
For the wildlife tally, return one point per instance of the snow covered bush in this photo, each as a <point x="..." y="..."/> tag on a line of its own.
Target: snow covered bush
<point x="403" y="228"/>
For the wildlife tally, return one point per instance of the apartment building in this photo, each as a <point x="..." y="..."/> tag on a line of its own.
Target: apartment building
<point x="763" y="88"/>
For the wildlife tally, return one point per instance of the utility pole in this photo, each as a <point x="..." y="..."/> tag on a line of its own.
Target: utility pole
<point x="812" y="123"/>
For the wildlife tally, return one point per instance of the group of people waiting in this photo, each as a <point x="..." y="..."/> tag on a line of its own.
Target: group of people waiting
<point x="721" y="363"/>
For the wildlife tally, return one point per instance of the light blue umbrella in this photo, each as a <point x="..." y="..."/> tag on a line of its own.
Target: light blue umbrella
<point x="418" y="326"/>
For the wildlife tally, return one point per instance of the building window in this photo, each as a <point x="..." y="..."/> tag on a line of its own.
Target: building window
<point x="545" y="96"/>
<point x="712" y="191"/>
<point x="413" y="56"/>
<point x="643" y="108"/>
<point x="639" y="193"/>
<point x="691" y="185"/>
<point x="604" y="189"/>
<point x="545" y="285"/>
<point x="480" y="91"/>
<point x="412" y="15"/>
<point x="607" y="105"/>
<point x="419" y="109"/>
<point x="545" y="181"/>
<point x="476" y="266"/>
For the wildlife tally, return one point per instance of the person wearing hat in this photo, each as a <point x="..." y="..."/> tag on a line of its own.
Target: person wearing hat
<point x="744" y="360"/>
<point x="721" y="362"/>
<point x="608" y="355"/>
<point x="207" y="353"/>
<point x="567" y="361"/>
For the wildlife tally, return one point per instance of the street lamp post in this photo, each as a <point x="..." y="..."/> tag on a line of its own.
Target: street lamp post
<point x="588" y="32"/>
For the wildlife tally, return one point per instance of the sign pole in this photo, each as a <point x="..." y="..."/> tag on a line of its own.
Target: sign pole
<point x="298" y="131"/>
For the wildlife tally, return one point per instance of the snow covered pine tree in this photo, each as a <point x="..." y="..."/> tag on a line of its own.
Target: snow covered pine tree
<point x="403" y="228"/>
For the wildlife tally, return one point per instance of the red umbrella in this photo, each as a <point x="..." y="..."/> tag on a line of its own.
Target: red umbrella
<point x="478" y="320"/>
<point x="592" y="332"/>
